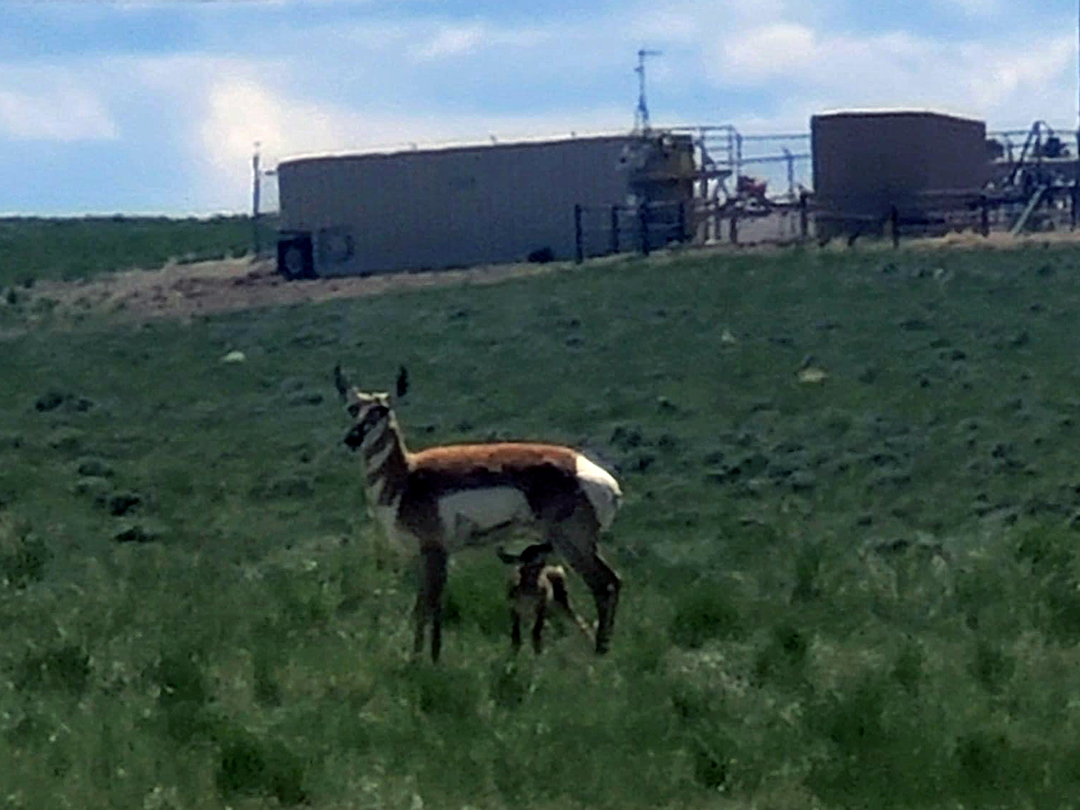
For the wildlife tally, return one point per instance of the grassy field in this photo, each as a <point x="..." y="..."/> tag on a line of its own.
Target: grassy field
<point x="40" y="248"/>
<point x="849" y="545"/>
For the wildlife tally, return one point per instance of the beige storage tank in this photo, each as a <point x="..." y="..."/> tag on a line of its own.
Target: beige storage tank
<point x="455" y="206"/>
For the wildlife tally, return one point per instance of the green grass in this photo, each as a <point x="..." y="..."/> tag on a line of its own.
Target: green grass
<point x="37" y="248"/>
<point x="862" y="592"/>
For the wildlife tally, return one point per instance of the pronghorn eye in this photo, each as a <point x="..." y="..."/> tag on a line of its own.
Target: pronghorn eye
<point x="354" y="410"/>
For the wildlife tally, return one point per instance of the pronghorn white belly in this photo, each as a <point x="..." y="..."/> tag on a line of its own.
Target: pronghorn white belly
<point x="601" y="489"/>
<point x="468" y="514"/>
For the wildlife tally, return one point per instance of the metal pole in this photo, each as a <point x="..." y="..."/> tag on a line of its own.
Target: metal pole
<point x="643" y="225"/>
<point x="1076" y="154"/>
<point x="804" y="219"/>
<point x="579" y="236"/>
<point x="255" y="201"/>
<point x="790" y="158"/>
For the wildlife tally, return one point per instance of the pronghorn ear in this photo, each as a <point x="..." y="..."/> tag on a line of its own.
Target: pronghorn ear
<point x="341" y="383"/>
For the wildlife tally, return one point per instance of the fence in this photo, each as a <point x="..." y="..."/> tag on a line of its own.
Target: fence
<point x="601" y="231"/>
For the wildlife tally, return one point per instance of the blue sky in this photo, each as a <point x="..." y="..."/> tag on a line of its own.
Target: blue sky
<point x="154" y="107"/>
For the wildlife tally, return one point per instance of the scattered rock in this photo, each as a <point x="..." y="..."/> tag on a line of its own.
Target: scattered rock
<point x="234" y="357"/>
<point x="812" y="374"/>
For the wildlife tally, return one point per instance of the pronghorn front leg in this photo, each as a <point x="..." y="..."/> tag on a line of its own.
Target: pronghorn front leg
<point x="604" y="584"/>
<point x="538" y="627"/>
<point x="429" y="600"/>
<point x="575" y="539"/>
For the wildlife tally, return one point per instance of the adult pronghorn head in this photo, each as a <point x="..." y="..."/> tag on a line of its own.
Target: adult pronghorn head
<point x="371" y="412"/>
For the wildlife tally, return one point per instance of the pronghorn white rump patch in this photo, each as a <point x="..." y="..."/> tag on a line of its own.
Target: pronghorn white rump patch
<point x="601" y="488"/>
<point x="475" y="511"/>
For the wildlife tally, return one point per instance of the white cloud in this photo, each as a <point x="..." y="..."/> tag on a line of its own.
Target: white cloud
<point x="386" y="80"/>
<point x="819" y="70"/>
<point x="60" y="108"/>
<point x="781" y="49"/>
<point x="239" y="111"/>
<point x="451" y="41"/>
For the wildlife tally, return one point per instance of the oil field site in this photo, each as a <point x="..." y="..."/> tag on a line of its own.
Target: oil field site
<point x="848" y="545"/>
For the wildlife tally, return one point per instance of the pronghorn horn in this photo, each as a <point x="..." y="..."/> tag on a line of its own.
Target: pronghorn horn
<point x="402" y="381"/>
<point x="341" y="383"/>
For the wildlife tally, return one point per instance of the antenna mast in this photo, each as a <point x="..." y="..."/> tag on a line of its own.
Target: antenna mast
<point x="641" y="115"/>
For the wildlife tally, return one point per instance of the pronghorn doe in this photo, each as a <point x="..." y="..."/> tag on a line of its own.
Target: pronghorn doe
<point x="446" y="498"/>
<point x="537" y="588"/>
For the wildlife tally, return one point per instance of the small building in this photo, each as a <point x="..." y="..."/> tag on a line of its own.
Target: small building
<point x="424" y="209"/>
<point x="866" y="163"/>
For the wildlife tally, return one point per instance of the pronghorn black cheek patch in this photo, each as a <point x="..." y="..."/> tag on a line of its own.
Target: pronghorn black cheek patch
<point x="355" y="437"/>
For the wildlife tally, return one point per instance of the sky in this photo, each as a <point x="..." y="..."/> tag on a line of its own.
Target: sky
<point x="142" y="106"/>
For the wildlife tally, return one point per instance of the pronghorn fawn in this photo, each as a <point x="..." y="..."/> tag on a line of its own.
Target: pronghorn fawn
<point x="537" y="589"/>
<point x="446" y="498"/>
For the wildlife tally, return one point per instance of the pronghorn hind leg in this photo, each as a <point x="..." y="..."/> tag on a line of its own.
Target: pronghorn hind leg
<point x="575" y="539"/>
<point x="429" y="600"/>
<point x="515" y="631"/>
<point x="538" y="629"/>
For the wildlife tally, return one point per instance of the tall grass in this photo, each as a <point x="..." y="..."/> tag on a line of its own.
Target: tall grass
<point x="81" y="247"/>
<point x="848" y="593"/>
